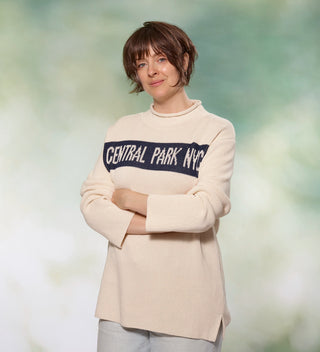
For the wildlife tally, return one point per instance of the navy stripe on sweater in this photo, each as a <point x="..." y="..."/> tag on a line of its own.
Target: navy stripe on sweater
<point x="183" y="158"/>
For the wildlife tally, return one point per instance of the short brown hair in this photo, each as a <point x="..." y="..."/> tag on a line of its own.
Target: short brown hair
<point x="164" y="38"/>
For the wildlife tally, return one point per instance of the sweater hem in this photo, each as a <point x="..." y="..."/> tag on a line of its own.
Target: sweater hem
<point x="175" y="332"/>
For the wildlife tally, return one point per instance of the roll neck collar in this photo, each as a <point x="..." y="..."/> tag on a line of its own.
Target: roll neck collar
<point x="195" y="104"/>
<point x="157" y="119"/>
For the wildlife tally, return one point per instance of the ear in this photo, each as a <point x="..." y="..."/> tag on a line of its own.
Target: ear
<point x="185" y="61"/>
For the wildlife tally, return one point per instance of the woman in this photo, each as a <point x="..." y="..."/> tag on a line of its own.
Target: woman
<point x="157" y="191"/>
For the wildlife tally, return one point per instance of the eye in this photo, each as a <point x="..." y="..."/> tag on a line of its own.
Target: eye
<point x="162" y="59"/>
<point x="140" y="65"/>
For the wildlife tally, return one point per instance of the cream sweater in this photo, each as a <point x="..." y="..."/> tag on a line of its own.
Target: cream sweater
<point x="171" y="280"/>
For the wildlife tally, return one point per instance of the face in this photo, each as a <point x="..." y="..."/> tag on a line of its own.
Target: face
<point x="158" y="76"/>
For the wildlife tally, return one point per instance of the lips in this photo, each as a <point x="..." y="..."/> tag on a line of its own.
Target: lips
<point x="156" y="83"/>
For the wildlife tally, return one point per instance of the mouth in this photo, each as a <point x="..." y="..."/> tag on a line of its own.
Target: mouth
<point x="156" y="83"/>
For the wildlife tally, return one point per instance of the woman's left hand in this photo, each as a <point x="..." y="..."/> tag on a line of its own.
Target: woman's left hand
<point x="120" y="197"/>
<point x="127" y="199"/>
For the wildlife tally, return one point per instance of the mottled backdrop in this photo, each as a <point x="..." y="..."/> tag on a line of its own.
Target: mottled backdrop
<point x="62" y="85"/>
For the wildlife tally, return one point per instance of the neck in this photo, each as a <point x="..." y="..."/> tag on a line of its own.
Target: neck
<point x="176" y="103"/>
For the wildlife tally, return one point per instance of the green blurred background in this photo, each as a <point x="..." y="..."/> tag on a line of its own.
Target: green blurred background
<point x="62" y="84"/>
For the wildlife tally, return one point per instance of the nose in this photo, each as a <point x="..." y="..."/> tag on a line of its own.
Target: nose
<point x="152" y="70"/>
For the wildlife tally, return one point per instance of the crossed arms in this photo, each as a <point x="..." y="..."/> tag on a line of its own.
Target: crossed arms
<point x="116" y="213"/>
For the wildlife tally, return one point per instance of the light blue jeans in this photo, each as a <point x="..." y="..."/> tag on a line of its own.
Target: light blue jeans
<point x="113" y="337"/>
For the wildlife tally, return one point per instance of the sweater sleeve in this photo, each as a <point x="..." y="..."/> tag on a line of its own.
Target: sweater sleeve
<point x="100" y="213"/>
<point x="208" y="200"/>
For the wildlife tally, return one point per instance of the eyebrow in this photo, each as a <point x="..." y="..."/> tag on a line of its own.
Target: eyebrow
<point x="155" y="55"/>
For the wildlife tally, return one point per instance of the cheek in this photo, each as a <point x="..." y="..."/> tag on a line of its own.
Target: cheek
<point x="174" y="78"/>
<point x="168" y="71"/>
<point x="171" y="73"/>
<point x="139" y="76"/>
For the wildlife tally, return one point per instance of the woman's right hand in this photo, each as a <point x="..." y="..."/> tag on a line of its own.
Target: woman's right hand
<point x="137" y="225"/>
